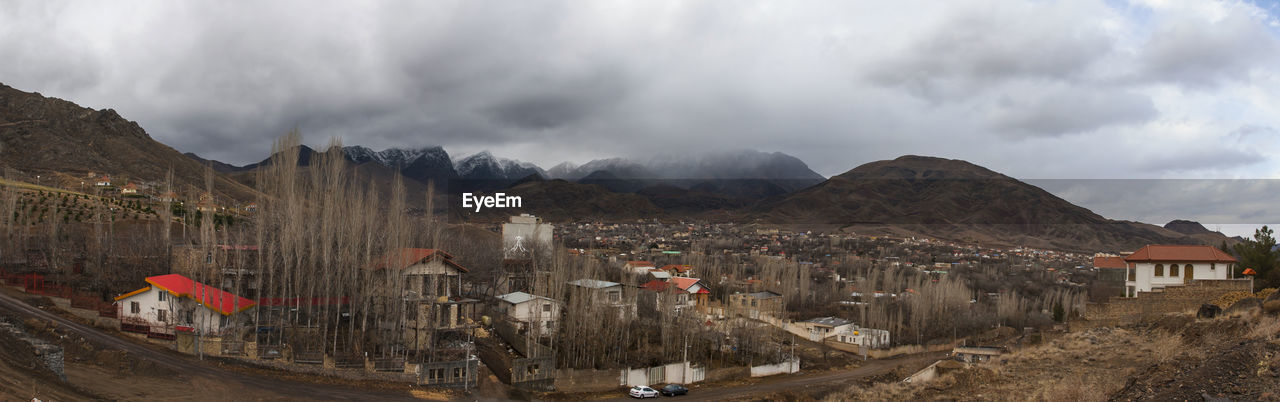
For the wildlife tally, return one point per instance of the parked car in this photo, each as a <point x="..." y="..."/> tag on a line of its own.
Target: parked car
<point x="643" y="391"/>
<point x="673" y="390"/>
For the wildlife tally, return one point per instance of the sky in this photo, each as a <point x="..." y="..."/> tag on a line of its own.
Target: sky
<point x="1066" y="91"/>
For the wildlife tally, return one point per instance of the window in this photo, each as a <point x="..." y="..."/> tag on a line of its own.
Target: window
<point x="162" y="294"/>
<point x="546" y="308"/>
<point x="615" y="296"/>
<point x="134" y="308"/>
<point x="1159" y="270"/>
<point x="1213" y="266"/>
<point x="1133" y="274"/>
<point x="1173" y="269"/>
<point x="457" y="372"/>
<point x="435" y="374"/>
<point x="162" y="316"/>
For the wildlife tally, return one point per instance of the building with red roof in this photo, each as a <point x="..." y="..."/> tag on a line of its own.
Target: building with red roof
<point x="1157" y="266"/>
<point x="677" y="292"/>
<point x="177" y="303"/>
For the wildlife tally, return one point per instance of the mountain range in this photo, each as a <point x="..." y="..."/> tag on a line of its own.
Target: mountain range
<point x="908" y="195"/>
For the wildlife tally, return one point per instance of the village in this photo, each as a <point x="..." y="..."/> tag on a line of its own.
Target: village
<point x="598" y="307"/>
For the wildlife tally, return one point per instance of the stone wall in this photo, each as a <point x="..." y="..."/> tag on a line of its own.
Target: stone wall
<point x="1155" y="304"/>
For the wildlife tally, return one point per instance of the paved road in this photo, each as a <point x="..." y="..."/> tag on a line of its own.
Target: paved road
<point x="283" y="387"/>
<point x="782" y="383"/>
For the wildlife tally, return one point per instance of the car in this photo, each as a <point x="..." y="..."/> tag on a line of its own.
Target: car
<point x="643" y="391"/>
<point x="673" y="390"/>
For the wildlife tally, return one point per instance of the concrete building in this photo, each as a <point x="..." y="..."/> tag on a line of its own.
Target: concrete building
<point x="1155" y="267"/>
<point x="524" y="235"/>
<point x="533" y="313"/>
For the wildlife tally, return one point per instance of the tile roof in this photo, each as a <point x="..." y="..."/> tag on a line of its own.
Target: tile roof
<point x="407" y="257"/>
<point x="1178" y="253"/>
<point x="1109" y="262"/>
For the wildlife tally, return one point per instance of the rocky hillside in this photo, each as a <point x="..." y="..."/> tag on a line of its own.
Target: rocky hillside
<point x="53" y="137"/>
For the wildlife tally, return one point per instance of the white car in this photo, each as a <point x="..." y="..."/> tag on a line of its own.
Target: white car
<point x="643" y="391"/>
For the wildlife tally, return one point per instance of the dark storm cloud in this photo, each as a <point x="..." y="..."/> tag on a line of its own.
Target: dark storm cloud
<point x="1029" y="88"/>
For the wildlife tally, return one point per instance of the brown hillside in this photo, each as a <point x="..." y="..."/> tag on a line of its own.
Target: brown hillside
<point x="40" y="135"/>
<point x="958" y="200"/>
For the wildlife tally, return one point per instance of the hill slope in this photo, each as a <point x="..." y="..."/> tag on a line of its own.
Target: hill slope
<point x="957" y="199"/>
<point x="51" y="136"/>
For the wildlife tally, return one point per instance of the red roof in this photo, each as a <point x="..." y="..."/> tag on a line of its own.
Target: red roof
<point x="686" y="283"/>
<point x="208" y="296"/>
<point x="1109" y="262"/>
<point x="1178" y="253"/>
<point x="409" y="256"/>
<point x="654" y="285"/>
<point x="640" y="263"/>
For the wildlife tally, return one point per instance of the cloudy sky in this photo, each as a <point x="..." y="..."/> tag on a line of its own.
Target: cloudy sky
<point x="1079" y="89"/>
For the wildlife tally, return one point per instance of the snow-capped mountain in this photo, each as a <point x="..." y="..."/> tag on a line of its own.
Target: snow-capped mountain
<point x="485" y="166"/>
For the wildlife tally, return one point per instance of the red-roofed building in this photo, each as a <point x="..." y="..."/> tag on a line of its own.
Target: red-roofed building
<point x="677" y="293"/>
<point x="1158" y="266"/>
<point x="679" y="270"/>
<point x="177" y="303"/>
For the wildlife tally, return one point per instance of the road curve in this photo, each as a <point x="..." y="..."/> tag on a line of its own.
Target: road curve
<point x="285" y="388"/>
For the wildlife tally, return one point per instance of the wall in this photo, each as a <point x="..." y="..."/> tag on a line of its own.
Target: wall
<point x="787" y="367"/>
<point x="586" y="380"/>
<point x="1150" y="305"/>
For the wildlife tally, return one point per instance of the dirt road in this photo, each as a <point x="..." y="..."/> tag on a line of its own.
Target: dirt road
<point x="783" y="383"/>
<point x="263" y="385"/>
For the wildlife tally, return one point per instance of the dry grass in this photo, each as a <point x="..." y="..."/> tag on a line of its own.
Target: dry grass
<point x="1266" y="328"/>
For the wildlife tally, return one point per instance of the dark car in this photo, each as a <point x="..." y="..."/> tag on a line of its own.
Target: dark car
<point x="673" y="390"/>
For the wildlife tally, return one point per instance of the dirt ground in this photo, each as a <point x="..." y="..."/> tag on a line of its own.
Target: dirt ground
<point x="1177" y="358"/>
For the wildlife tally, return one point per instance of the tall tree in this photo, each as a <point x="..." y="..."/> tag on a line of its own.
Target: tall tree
<point x="1259" y="253"/>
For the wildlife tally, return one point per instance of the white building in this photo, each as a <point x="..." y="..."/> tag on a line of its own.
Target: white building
<point x="1155" y="267"/>
<point x="524" y="234"/>
<point x="532" y="311"/>
<point x="176" y="303"/>
<point x="871" y="338"/>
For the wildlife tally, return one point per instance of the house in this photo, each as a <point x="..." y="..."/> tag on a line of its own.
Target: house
<point x="639" y="267"/>
<point x="250" y="207"/>
<point x="1155" y="267"/>
<point x="868" y="337"/>
<point x="177" y="303"/>
<point x="604" y="293"/>
<point x="534" y="313"/>
<point x="676" y="293"/>
<point x="679" y="270"/>
<point x="754" y="304"/>
<point x="104" y="181"/>
<point x="129" y="189"/>
<point x="822" y="327"/>
<point x="656" y="275"/>
<point x="431" y="290"/>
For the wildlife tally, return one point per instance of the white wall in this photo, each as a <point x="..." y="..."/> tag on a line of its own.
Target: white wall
<point x="531" y="232"/>
<point x="1146" y="279"/>
<point x="787" y="367"/>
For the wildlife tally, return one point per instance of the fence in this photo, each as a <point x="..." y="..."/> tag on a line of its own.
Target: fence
<point x="675" y="373"/>
<point x="36" y="284"/>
